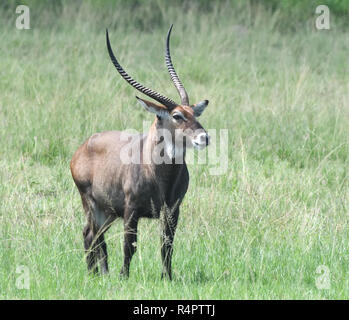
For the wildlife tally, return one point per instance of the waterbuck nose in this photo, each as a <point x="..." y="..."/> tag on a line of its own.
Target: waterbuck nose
<point x="203" y="137"/>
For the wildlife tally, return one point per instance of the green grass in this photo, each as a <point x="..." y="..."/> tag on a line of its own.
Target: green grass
<point x="259" y="231"/>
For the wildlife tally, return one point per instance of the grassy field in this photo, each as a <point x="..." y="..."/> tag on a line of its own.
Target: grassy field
<point x="260" y="231"/>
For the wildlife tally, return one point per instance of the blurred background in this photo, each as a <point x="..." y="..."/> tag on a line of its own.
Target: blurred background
<point x="291" y="14"/>
<point x="279" y="84"/>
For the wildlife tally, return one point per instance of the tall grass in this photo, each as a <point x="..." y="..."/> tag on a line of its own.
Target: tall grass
<point x="259" y="231"/>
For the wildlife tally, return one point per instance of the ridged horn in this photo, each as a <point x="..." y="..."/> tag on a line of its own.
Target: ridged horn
<point x="175" y="79"/>
<point x="150" y="93"/>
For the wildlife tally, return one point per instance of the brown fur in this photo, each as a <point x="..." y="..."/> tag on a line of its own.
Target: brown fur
<point x="111" y="189"/>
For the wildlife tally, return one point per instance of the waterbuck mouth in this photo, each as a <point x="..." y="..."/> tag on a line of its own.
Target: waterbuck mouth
<point x="200" y="146"/>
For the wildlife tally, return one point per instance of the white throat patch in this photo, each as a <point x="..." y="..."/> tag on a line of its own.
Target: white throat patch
<point x="173" y="151"/>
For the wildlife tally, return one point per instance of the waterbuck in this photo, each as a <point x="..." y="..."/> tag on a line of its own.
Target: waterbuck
<point x="111" y="187"/>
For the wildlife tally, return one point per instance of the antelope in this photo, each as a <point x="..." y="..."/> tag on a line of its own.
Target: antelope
<point x="110" y="188"/>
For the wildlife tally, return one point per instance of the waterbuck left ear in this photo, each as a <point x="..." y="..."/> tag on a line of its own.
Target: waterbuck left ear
<point x="159" y="110"/>
<point x="199" y="108"/>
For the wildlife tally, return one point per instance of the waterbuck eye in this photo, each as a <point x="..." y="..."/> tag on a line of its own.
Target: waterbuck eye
<point x="178" y="116"/>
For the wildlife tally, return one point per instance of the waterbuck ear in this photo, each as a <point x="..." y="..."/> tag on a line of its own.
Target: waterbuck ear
<point x="159" y="110"/>
<point x="199" y="108"/>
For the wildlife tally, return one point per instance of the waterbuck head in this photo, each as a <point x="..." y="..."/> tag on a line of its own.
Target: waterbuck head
<point x="180" y="120"/>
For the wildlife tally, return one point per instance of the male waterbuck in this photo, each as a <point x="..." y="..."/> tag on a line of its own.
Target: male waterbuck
<point x="111" y="186"/>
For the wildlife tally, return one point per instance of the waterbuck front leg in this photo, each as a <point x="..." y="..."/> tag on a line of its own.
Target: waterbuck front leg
<point x="130" y="239"/>
<point x="169" y="225"/>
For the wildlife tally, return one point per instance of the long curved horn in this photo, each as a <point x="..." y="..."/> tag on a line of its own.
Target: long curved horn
<point x="150" y="93"/>
<point x="178" y="84"/>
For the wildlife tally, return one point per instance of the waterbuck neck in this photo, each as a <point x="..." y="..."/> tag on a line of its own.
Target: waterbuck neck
<point x="161" y="147"/>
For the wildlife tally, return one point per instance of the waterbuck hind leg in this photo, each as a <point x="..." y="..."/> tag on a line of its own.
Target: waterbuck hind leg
<point x="94" y="243"/>
<point x="95" y="249"/>
<point x="130" y="240"/>
<point x="90" y="248"/>
<point x="103" y="255"/>
<point x="169" y="221"/>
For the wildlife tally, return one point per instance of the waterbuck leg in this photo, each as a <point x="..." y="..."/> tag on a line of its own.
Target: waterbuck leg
<point x="130" y="239"/>
<point x="95" y="246"/>
<point x="91" y="249"/>
<point x="103" y="254"/>
<point x="95" y="249"/>
<point x="169" y="225"/>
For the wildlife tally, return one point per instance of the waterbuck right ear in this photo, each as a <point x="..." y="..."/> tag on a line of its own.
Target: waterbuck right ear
<point x="199" y="108"/>
<point x="159" y="110"/>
